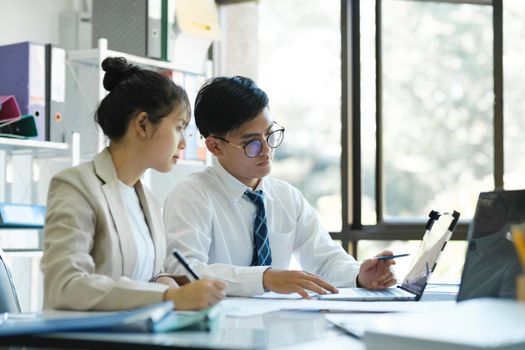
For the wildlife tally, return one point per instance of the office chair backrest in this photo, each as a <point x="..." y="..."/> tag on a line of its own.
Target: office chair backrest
<point x="492" y="264"/>
<point x="8" y="297"/>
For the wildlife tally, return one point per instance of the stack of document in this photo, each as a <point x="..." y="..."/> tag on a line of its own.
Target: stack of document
<point x="155" y="318"/>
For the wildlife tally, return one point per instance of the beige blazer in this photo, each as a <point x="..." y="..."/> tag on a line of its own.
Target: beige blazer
<point x="89" y="250"/>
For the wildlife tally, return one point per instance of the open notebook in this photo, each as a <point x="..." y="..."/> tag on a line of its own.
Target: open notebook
<point x="438" y="231"/>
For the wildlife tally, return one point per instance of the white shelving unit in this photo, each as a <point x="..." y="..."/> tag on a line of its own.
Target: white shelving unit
<point x="84" y="67"/>
<point x="94" y="57"/>
<point x="23" y="246"/>
<point x="42" y="148"/>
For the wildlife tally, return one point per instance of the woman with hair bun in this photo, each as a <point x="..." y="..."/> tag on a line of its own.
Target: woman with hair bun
<point x="104" y="240"/>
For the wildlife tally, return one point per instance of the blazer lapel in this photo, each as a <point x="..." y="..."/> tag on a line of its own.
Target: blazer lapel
<point x="105" y="169"/>
<point x="155" y="225"/>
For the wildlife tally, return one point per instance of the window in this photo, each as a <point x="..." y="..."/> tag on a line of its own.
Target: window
<point x="431" y="118"/>
<point x="514" y="90"/>
<point x="301" y="73"/>
<point x="435" y="109"/>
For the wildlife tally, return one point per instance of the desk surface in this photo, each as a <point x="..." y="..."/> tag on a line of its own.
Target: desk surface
<point x="279" y="329"/>
<point x="282" y="329"/>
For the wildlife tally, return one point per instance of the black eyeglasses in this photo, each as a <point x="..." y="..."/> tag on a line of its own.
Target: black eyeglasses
<point x="253" y="148"/>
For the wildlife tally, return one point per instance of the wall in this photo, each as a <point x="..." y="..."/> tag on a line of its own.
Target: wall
<point x="33" y="20"/>
<point x="237" y="51"/>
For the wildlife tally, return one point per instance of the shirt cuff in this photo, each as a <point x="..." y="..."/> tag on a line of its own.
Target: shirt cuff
<point x="155" y="293"/>
<point x="179" y="279"/>
<point x="252" y="280"/>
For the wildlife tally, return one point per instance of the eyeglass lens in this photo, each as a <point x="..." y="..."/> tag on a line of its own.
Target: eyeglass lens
<point x="274" y="139"/>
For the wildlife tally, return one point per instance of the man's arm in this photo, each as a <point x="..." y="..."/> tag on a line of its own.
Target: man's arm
<point x="317" y="252"/>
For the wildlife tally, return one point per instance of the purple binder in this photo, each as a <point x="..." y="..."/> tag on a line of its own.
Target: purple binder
<point x="8" y="109"/>
<point x="22" y="72"/>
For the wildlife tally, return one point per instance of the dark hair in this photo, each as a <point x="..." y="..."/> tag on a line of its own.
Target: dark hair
<point x="225" y="103"/>
<point x="133" y="90"/>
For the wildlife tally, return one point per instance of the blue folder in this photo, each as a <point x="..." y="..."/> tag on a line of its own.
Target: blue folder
<point x="154" y="318"/>
<point x="21" y="215"/>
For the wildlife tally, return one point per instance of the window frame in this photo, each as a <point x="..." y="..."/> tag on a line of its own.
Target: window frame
<point x="351" y="185"/>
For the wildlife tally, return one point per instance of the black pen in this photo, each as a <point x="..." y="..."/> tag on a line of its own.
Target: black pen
<point x="184" y="263"/>
<point x="388" y="257"/>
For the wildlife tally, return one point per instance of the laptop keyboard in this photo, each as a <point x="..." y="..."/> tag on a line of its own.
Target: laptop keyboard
<point x="383" y="292"/>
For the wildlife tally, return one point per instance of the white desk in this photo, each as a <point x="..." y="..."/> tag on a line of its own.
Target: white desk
<point x="278" y="329"/>
<point x="273" y="330"/>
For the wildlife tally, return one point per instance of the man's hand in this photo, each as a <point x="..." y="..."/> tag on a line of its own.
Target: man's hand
<point x="376" y="274"/>
<point x="287" y="282"/>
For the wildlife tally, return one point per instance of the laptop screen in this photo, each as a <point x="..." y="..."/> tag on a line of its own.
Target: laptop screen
<point x="438" y="231"/>
<point x="491" y="264"/>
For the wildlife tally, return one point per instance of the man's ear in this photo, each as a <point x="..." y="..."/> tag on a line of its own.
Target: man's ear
<point x="140" y="123"/>
<point x="213" y="146"/>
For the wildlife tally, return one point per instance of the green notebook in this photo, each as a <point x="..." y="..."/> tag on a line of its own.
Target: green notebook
<point x="195" y="320"/>
<point x="21" y="128"/>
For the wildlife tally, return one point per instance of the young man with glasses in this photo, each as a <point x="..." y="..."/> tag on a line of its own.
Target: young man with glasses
<point x="234" y="222"/>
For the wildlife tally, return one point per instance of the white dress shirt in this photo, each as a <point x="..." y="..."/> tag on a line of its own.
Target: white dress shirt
<point x="210" y="222"/>
<point x="140" y="232"/>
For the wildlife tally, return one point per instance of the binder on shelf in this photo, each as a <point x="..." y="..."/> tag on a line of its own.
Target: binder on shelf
<point x="8" y="109"/>
<point x="167" y="29"/>
<point x="22" y="128"/>
<point x="55" y="102"/>
<point x="154" y="29"/>
<point x="22" y="72"/>
<point x="22" y="215"/>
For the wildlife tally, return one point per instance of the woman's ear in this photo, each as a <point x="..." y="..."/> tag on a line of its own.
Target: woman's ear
<point x="213" y="146"/>
<point x="140" y="124"/>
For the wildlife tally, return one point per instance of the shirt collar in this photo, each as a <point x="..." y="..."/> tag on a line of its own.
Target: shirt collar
<point x="234" y="187"/>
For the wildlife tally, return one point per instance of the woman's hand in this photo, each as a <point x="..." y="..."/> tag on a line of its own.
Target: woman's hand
<point x="196" y="295"/>
<point x="167" y="280"/>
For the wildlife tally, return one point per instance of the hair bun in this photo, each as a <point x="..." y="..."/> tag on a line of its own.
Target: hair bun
<point x="117" y="69"/>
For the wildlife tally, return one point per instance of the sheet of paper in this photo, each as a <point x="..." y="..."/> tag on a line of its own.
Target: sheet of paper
<point x="365" y="306"/>
<point x="248" y="307"/>
<point x="291" y="296"/>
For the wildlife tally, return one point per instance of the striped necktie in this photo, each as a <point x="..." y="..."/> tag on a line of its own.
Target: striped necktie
<point x="262" y="255"/>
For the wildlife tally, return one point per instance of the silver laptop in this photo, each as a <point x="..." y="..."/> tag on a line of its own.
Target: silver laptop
<point x="438" y="231"/>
